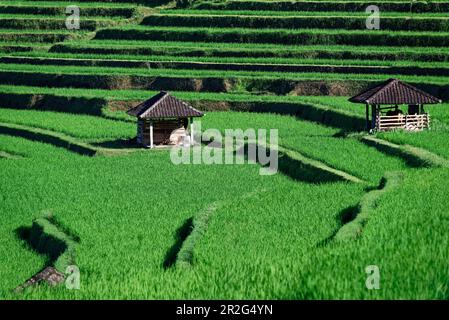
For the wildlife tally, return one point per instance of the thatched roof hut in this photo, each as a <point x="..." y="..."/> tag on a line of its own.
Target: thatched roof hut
<point x="385" y="100"/>
<point x="163" y="120"/>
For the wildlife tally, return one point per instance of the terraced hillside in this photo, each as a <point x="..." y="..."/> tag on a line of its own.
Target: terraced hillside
<point x="281" y="48"/>
<point x="145" y="228"/>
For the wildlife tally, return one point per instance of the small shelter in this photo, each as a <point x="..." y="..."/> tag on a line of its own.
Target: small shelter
<point x="385" y="101"/>
<point x="164" y="120"/>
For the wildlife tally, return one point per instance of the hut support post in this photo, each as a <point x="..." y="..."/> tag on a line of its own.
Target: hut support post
<point x="373" y="116"/>
<point x="140" y="130"/>
<point x="151" y="135"/>
<point x="192" y="142"/>
<point x="368" y="126"/>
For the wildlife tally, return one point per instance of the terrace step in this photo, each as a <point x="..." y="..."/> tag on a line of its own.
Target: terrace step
<point x="278" y="14"/>
<point x="240" y="51"/>
<point x="229" y="66"/>
<point x="319" y="165"/>
<point x="353" y="229"/>
<point x="61" y="140"/>
<point x="59" y="9"/>
<point x="418" y="155"/>
<point x="9" y="48"/>
<point x="197" y="80"/>
<point x="102" y="102"/>
<point x="279" y="36"/>
<point x="47" y="136"/>
<point x="45" y="23"/>
<point x="297" y="22"/>
<point x="33" y="36"/>
<point x="348" y="6"/>
<point x="7" y="155"/>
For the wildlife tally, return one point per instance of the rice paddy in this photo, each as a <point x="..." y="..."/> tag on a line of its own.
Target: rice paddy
<point x="140" y="227"/>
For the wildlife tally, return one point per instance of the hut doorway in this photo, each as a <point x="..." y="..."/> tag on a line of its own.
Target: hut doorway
<point x="164" y="132"/>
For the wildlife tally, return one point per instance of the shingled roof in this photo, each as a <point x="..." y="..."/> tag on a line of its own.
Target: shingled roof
<point x="163" y="105"/>
<point x="394" y="91"/>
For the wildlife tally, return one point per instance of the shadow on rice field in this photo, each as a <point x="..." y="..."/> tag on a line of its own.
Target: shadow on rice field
<point x="180" y="236"/>
<point x="53" y="140"/>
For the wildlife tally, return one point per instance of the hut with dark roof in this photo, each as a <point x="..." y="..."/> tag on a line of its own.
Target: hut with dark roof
<point x="385" y="101"/>
<point x="164" y="120"/>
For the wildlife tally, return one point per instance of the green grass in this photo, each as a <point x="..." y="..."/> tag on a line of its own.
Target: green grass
<point x="81" y="4"/>
<point x="120" y="219"/>
<point x="277" y="36"/>
<point x="354" y="228"/>
<point x="255" y="222"/>
<point x="99" y="71"/>
<point x="229" y="60"/>
<point x="321" y="5"/>
<point x="79" y="126"/>
<point x="404" y="238"/>
<point x="142" y="94"/>
<point x="46" y="237"/>
<point x="148" y="229"/>
<point x="256" y="50"/>
<point x="296" y="13"/>
<point x="347" y="154"/>
<point x="39" y="36"/>
<point x="246" y="46"/>
<point x="318" y="142"/>
<point x="344" y="21"/>
<point x="434" y="139"/>
<point x="32" y="31"/>
<point x="61" y="17"/>
<point x="29" y="149"/>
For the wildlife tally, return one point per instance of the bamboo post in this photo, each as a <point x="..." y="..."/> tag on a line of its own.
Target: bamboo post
<point x="367" y="118"/>
<point x="151" y="134"/>
<point x="192" y="142"/>
<point x="140" y="129"/>
<point x="373" y="116"/>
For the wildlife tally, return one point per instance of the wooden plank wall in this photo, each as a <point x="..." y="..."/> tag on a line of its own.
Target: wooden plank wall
<point x="164" y="131"/>
<point x="408" y="122"/>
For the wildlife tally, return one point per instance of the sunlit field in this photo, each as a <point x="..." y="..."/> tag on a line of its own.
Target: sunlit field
<point x="77" y="190"/>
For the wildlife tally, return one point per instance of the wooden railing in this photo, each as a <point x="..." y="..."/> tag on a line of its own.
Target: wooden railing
<point x="415" y="122"/>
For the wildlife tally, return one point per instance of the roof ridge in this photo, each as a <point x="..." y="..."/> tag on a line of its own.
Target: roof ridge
<point x="382" y="87"/>
<point x="163" y="97"/>
<point x="163" y="104"/>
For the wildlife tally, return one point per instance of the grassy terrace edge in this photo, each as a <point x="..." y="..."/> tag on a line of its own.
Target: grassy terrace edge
<point x="277" y="36"/>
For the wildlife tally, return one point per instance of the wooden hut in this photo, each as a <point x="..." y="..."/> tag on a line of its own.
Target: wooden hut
<point x="163" y="120"/>
<point x="385" y="101"/>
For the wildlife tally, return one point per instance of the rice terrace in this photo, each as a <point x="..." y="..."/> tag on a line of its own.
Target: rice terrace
<point x="224" y="149"/>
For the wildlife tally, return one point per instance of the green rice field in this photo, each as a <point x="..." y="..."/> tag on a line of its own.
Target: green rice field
<point x="76" y="189"/>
